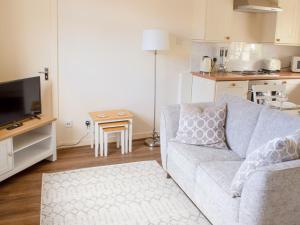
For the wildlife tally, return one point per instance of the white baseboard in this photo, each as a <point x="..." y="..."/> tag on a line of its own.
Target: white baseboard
<point x="87" y="141"/>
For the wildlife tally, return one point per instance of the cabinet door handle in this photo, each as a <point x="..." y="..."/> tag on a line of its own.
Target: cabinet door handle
<point x="10" y="154"/>
<point x="278" y="39"/>
<point x="265" y="83"/>
<point x="227" y="38"/>
<point x="233" y="84"/>
<point x="284" y="82"/>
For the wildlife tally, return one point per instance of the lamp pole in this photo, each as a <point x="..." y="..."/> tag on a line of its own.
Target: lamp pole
<point x="155" y="40"/>
<point x="155" y="134"/>
<point x="154" y="141"/>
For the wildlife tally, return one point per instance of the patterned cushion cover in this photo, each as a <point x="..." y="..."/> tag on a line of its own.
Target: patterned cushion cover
<point x="275" y="151"/>
<point x="204" y="127"/>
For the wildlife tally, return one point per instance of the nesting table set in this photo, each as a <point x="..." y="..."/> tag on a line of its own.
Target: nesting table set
<point x="104" y="123"/>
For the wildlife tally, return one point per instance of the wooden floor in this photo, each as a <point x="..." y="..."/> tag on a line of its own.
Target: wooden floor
<point x="20" y="195"/>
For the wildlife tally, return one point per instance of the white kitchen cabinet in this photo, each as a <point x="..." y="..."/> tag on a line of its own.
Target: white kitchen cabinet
<point x="199" y="20"/>
<point x="203" y="90"/>
<point x="212" y="20"/>
<point x="287" y="23"/>
<point x="209" y="90"/>
<point x="236" y="88"/>
<point x="6" y="156"/>
<point x="216" y="21"/>
<point x="206" y="90"/>
<point x="282" y="28"/>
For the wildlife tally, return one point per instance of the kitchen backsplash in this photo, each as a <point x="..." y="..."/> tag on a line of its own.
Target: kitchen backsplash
<point x="243" y="56"/>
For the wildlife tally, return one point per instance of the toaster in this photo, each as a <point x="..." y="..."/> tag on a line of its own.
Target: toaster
<point x="271" y="65"/>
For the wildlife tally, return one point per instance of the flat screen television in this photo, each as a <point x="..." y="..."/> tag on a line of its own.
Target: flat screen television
<point x="20" y="99"/>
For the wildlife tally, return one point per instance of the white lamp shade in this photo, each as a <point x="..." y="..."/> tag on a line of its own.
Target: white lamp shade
<point x="155" y="40"/>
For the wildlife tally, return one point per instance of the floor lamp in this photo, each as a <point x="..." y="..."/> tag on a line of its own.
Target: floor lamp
<point x="155" y="40"/>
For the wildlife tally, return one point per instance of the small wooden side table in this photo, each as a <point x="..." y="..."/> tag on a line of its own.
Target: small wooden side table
<point x="101" y="117"/>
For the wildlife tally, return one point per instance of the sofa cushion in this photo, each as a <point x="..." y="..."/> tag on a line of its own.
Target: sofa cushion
<point x="212" y="192"/>
<point x="204" y="127"/>
<point x="188" y="157"/>
<point x="272" y="124"/>
<point x="275" y="151"/>
<point x="241" y="121"/>
<point x="222" y="172"/>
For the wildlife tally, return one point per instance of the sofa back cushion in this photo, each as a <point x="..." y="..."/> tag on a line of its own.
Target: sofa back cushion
<point x="170" y="116"/>
<point x="272" y="124"/>
<point x="202" y="126"/>
<point x="242" y="116"/>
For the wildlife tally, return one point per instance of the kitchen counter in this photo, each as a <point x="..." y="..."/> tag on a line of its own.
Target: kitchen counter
<point x="242" y="77"/>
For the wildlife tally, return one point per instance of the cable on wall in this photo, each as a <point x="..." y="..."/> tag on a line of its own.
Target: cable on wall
<point x="76" y="143"/>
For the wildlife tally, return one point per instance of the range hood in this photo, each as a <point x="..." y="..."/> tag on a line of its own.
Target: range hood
<point x="257" y="6"/>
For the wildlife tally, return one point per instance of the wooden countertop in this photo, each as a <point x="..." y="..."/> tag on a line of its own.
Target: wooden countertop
<point x="28" y="125"/>
<point x="240" y="77"/>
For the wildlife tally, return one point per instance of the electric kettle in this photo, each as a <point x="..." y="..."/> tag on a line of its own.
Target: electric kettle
<point x="206" y="64"/>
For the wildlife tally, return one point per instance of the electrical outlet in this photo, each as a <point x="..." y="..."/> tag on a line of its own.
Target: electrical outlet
<point x="87" y="124"/>
<point x="69" y="124"/>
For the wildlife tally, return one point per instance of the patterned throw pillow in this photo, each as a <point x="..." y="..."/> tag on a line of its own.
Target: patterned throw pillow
<point x="275" y="151"/>
<point x="202" y="127"/>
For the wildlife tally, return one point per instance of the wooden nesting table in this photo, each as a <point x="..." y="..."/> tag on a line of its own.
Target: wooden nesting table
<point x="102" y="117"/>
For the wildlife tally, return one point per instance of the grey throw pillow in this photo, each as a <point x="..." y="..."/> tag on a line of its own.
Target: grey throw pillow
<point x="204" y="127"/>
<point x="275" y="151"/>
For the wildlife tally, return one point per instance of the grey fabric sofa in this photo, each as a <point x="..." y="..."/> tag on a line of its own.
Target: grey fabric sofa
<point x="270" y="197"/>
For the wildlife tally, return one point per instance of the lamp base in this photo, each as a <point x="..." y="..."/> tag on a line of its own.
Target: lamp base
<point x="152" y="142"/>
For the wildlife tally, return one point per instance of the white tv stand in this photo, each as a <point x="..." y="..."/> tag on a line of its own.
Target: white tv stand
<point x="24" y="146"/>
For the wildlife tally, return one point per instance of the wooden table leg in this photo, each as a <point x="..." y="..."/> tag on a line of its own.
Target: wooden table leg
<point x="101" y="141"/>
<point x="130" y="135"/>
<point x="123" y="142"/>
<point x="92" y="132"/>
<point x="126" y="140"/>
<point x="96" y="140"/>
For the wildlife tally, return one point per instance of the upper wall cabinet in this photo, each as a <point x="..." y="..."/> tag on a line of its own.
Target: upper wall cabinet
<point x="199" y="20"/>
<point x="216" y="21"/>
<point x="282" y="28"/>
<point x="288" y="23"/>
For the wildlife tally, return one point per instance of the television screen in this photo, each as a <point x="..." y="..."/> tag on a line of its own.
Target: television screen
<point x="19" y="100"/>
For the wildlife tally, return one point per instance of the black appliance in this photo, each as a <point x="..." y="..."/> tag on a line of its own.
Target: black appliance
<point x="20" y="99"/>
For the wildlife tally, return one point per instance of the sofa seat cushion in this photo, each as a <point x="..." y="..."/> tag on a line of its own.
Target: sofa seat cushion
<point x="212" y="191"/>
<point x="221" y="172"/>
<point x="272" y="124"/>
<point x="188" y="157"/>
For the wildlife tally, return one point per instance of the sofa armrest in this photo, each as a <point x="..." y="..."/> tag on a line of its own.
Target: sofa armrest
<point x="169" y="122"/>
<point x="271" y="196"/>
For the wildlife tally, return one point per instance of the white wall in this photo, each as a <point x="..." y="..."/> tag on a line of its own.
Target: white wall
<point x="102" y="66"/>
<point x="28" y="39"/>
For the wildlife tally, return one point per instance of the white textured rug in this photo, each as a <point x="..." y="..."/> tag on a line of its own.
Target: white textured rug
<point x="125" y="194"/>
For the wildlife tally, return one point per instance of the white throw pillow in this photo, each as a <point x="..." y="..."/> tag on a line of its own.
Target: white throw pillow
<point x="275" y="151"/>
<point x="204" y="127"/>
